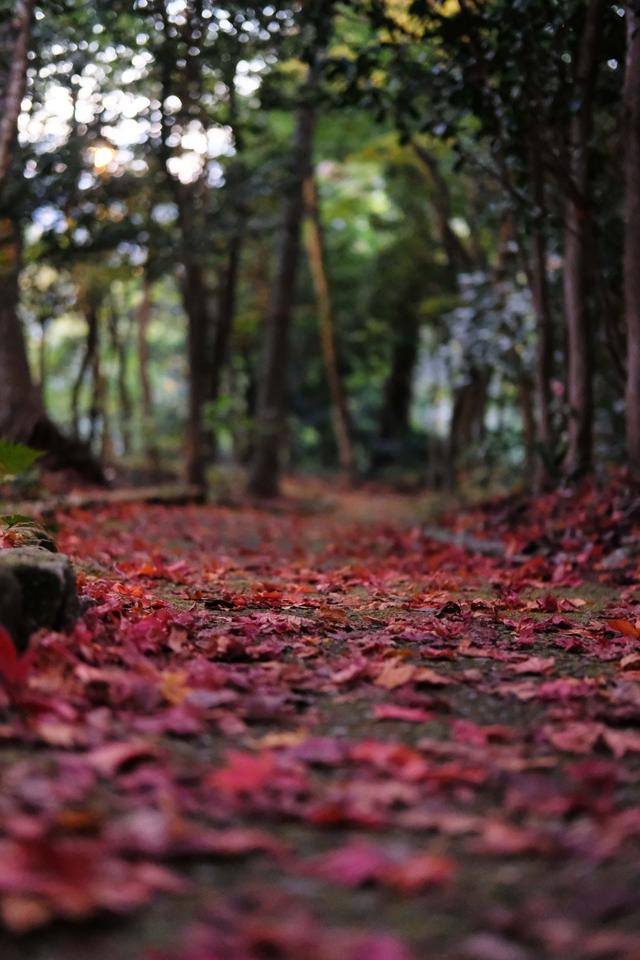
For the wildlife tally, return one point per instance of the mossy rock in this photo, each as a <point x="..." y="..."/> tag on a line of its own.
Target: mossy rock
<point x="37" y="589"/>
<point x="32" y="535"/>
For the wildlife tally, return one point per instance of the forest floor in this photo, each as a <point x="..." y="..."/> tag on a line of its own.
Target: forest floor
<point x="315" y="733"/>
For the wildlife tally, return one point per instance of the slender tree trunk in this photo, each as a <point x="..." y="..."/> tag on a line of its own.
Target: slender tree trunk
<point x="398" y="388"/>
<point x="226" y="316"/>
<point x="536" y="269"/>
<point x="97" y="397"/>
<point x="119" y="344"/>
<point x="610" y="305"/>
<point x="250" y="396"/>
<point x="259" y="282"/>
<point x="236" y="178"/>
<point x="576" y="255"/>
<point x="22" y="413"/>
<point x="264" y="476"/>
<point x="440" y="199"/>
<point x="467" y="418"/>
<point x="100" y="436"/>
<point x="539" y="285"/>
<point x="219" y="355"/>
<point x="15" y="36"/>
<point x="632" y="231"/>
<point x="146" y="397"/>
<point x="107" y="452"/>
<point x="86" y="364"/>
<point x="194" y="298"/>
<point x="186" y="82"/>
<point x="20" y="400"/>
<point x="316" y="253"/>
<point x="580" y="361"/>
<point x="529" y="427"/>
<point x="42" y="356"/>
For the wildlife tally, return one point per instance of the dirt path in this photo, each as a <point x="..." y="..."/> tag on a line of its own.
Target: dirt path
<point x="318" y="734"/>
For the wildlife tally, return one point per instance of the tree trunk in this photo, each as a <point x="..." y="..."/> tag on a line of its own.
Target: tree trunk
<point x="235" y="180"/>
<point x="576" y="255"/>
<point x="226" y="317"/>
<point x="529" y="428"/>
<point x="20" y="400"/>
<point x="22" y="414"/>
<point x="86" y="364"/>
<point x="440" y="199"/>
<point x="535" y="260"/>
<point x="42" y="356"/>
<point x="632" y="231"/>
<point x="97" y="399"/>
<point x="398" y="388"/>
<point x="264" y="477"/>
<point x="146" y="397"/>
<point x="539" y="286"/>
<point x="188" y="88"/>
<point x="316" y="253"/>
<point x="107" y="452"/>
<point x="14" y="48"/>
<point x="194" y="299"/>
<point x="119" y="344"/>
<point x="467" y="418"/>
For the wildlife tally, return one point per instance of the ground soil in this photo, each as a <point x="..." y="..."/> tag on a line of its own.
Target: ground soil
<point x="438" y="750"/>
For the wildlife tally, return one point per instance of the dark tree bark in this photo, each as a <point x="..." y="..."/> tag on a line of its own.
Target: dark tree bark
<point x="146" y="397"/>
<point x="316" y="253"/>
<point x="15" y="35"/>
<point x="467" y="418"/>
<point x="20" y="400"/>
<point x="264" y="477"/>
<point x="536" y="269"/>
<point x="226" y="316"/>
<point x="194" y="299"/>
<point x="576" y="254"/>
<point x="228" y="297"/>
<point x="119" y="344"/>
<point x="186" y="82"/>
<point x="87" y="364"/>
<point x="539" y="285"/>
<point x="22" y="413"/>
<point x="529" y="426"/>
<point x="398" y="388"/>
<point x="97" y="402"/>
<point x="440" y="199"/>
<point x="42" y="355"/>
<point x="632" y="231"/>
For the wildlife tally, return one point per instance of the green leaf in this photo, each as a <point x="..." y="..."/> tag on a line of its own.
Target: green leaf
<point x="16" y="520"/>
<point x="16" y="458"/>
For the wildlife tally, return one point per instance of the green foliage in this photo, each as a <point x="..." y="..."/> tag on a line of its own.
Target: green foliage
<point x="431" y="115"/>
<point x="16" y="458"/>
<point x="228" y="420"/>
<point x="10" y="520"/>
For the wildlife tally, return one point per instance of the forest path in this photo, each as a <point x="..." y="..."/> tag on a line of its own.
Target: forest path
<point x="314" y="733"/>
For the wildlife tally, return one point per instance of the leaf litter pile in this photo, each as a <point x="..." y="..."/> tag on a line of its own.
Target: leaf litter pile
<point x="327" y="736"/>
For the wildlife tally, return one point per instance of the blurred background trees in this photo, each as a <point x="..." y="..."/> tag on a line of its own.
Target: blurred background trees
<point x="385" y="238"/>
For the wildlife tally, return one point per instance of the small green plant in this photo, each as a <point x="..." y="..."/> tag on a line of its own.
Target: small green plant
<point x="10" y="520"/>
<point x="16" y="459"/>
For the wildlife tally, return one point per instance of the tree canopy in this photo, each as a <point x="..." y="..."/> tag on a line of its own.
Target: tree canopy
<point x="382" y="237"/>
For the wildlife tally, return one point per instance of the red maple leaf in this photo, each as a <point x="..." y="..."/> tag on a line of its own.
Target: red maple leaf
<point x="14" y="667"/>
